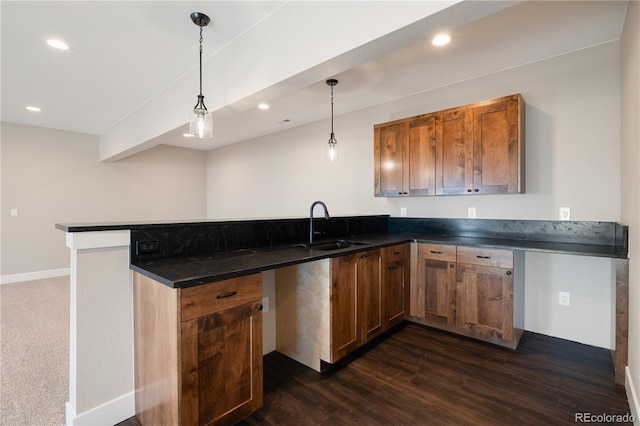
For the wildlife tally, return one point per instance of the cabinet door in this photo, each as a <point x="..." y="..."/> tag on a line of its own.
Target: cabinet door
<point x="496" y="146"/>
<point x="454" y="152"/>
<point x="389" y="152"/>
<point x="420" y="156"/>
<point x="485" y="300"/>
<point x="436" y="282"/>
<point x="369" y="291"/>
<point x="222" y="365"/>
<point x="395" y="284"/>
<point x="344" y="306"/>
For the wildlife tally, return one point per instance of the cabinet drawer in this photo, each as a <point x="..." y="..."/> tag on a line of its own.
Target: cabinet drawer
<point x="485" y="257"/>
<point x="218" y="296"/>
<point x="437" y="252"/>
<point x="399" y="252"/>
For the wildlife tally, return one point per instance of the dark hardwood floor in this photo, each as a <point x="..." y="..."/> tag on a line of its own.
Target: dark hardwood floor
<point x="421" y="376"/>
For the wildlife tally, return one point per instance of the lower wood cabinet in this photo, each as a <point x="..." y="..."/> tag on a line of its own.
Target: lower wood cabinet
<point x="395" y="284"/>
<point x="477" y="292"/>
<point x="356" y="296"/>
<point x="198" y="351"/>
<point x="330" y="307"/>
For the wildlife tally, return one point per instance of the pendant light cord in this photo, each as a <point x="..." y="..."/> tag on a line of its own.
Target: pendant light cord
<point x="200" y="60"/>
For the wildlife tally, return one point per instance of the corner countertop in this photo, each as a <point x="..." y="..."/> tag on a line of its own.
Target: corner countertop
<point x="182" y="272"/>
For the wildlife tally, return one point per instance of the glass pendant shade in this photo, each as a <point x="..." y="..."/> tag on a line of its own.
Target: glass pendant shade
<point x="201" y="123"/>
<point x="332" y="150"/>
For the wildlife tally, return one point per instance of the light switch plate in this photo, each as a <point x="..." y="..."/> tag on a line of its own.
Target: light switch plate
<point x="472" y="212"/>
<point x="14" y="212"/>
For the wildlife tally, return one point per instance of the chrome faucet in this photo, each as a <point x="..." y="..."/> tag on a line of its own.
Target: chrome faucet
<point x="326" y="216"/>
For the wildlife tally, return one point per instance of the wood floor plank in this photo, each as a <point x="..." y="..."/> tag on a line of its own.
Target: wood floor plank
<point x="421" y="376"/>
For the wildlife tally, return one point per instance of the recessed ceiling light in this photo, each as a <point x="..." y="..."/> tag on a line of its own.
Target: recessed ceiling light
<point x="58" y="44"/>
<point x="441" y="39"/>
<point x="188" y="135"/>
<point x="263" y="106"/>
<point x="33" y="109"/>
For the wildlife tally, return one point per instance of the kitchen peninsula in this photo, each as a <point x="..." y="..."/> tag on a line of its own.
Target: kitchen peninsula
<point x="183" y="256"/>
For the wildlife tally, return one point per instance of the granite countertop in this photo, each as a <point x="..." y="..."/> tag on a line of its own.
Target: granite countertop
<point x="184" y="272"/>
<point x="181" y="272"/>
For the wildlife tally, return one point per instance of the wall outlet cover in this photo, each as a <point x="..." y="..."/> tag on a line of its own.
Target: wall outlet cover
<point x="565" y="213"/>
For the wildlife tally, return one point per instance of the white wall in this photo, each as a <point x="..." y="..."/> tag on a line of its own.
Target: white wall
<point x="630" y="137"/>
<point x="572" y="160"/>
<point x="54" y="176"/>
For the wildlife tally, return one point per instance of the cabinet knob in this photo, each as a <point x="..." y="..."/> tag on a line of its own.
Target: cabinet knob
<point x="259" y="307"/>
<point x="476" y="190"/>
<point x="363" y="256"/>
<point x="508" y="272"/>
<point x="453" y="265"/>
<point x="468" y="190"/>
<point x="400" y="193"/>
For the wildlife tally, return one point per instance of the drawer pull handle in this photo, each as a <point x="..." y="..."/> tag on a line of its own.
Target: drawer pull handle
<point x="225" y="295"/>
<point x="436" y="252"/>
<point x="483" y="257"/>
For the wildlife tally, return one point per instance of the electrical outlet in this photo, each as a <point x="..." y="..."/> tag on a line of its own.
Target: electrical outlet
<point x="403" y="211"/>
<point x="565" y="213"/>
<point x="14" y="212"/>
<point x="563" y="298"/>
<point x="265" y="304"/>
<point x="472" y="212"/>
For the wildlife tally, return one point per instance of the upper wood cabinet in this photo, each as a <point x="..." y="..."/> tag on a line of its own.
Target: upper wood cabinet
<point x="472" y="149"/>
<point x="405" y="157"/>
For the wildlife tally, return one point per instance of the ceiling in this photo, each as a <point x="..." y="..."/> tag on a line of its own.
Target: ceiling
<point x="127" y="57"/>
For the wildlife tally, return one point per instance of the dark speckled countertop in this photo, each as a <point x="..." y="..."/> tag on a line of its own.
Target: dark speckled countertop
<point x="191" y="271"/>
<point x="185" y="254"/>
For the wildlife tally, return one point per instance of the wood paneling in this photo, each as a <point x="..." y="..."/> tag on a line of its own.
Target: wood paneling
<point x="344" y="306"/>
<point x="454" y="152"/>
<point x="156" y="359"/>
<point x="395" y="284"/>
<point x="419" y="166"/>
<point x="370" y="294"/>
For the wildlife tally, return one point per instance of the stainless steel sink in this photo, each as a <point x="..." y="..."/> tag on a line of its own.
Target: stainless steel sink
<point x="331" y="245"/>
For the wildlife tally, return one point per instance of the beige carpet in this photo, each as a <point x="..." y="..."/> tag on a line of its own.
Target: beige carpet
<point x="34" y="352"/>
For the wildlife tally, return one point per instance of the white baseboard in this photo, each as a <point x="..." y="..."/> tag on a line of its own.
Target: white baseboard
<point x="632" y="396"/>
<point x="30" y="276"/>
<point x="108" y="414"/>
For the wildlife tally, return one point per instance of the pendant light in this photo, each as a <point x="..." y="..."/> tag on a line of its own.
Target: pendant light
<point x="332" y="146"/>
<point x="200" y="120"/>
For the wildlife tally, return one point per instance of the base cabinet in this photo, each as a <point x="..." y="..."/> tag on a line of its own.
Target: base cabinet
<point x="329" y="308"/>
<point x="198" y="351"/>
<point x="472" y="291"/>
<point x="395" y="284"/>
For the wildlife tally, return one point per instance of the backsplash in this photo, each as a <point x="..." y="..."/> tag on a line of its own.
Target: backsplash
<point x="205" y="238"/>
